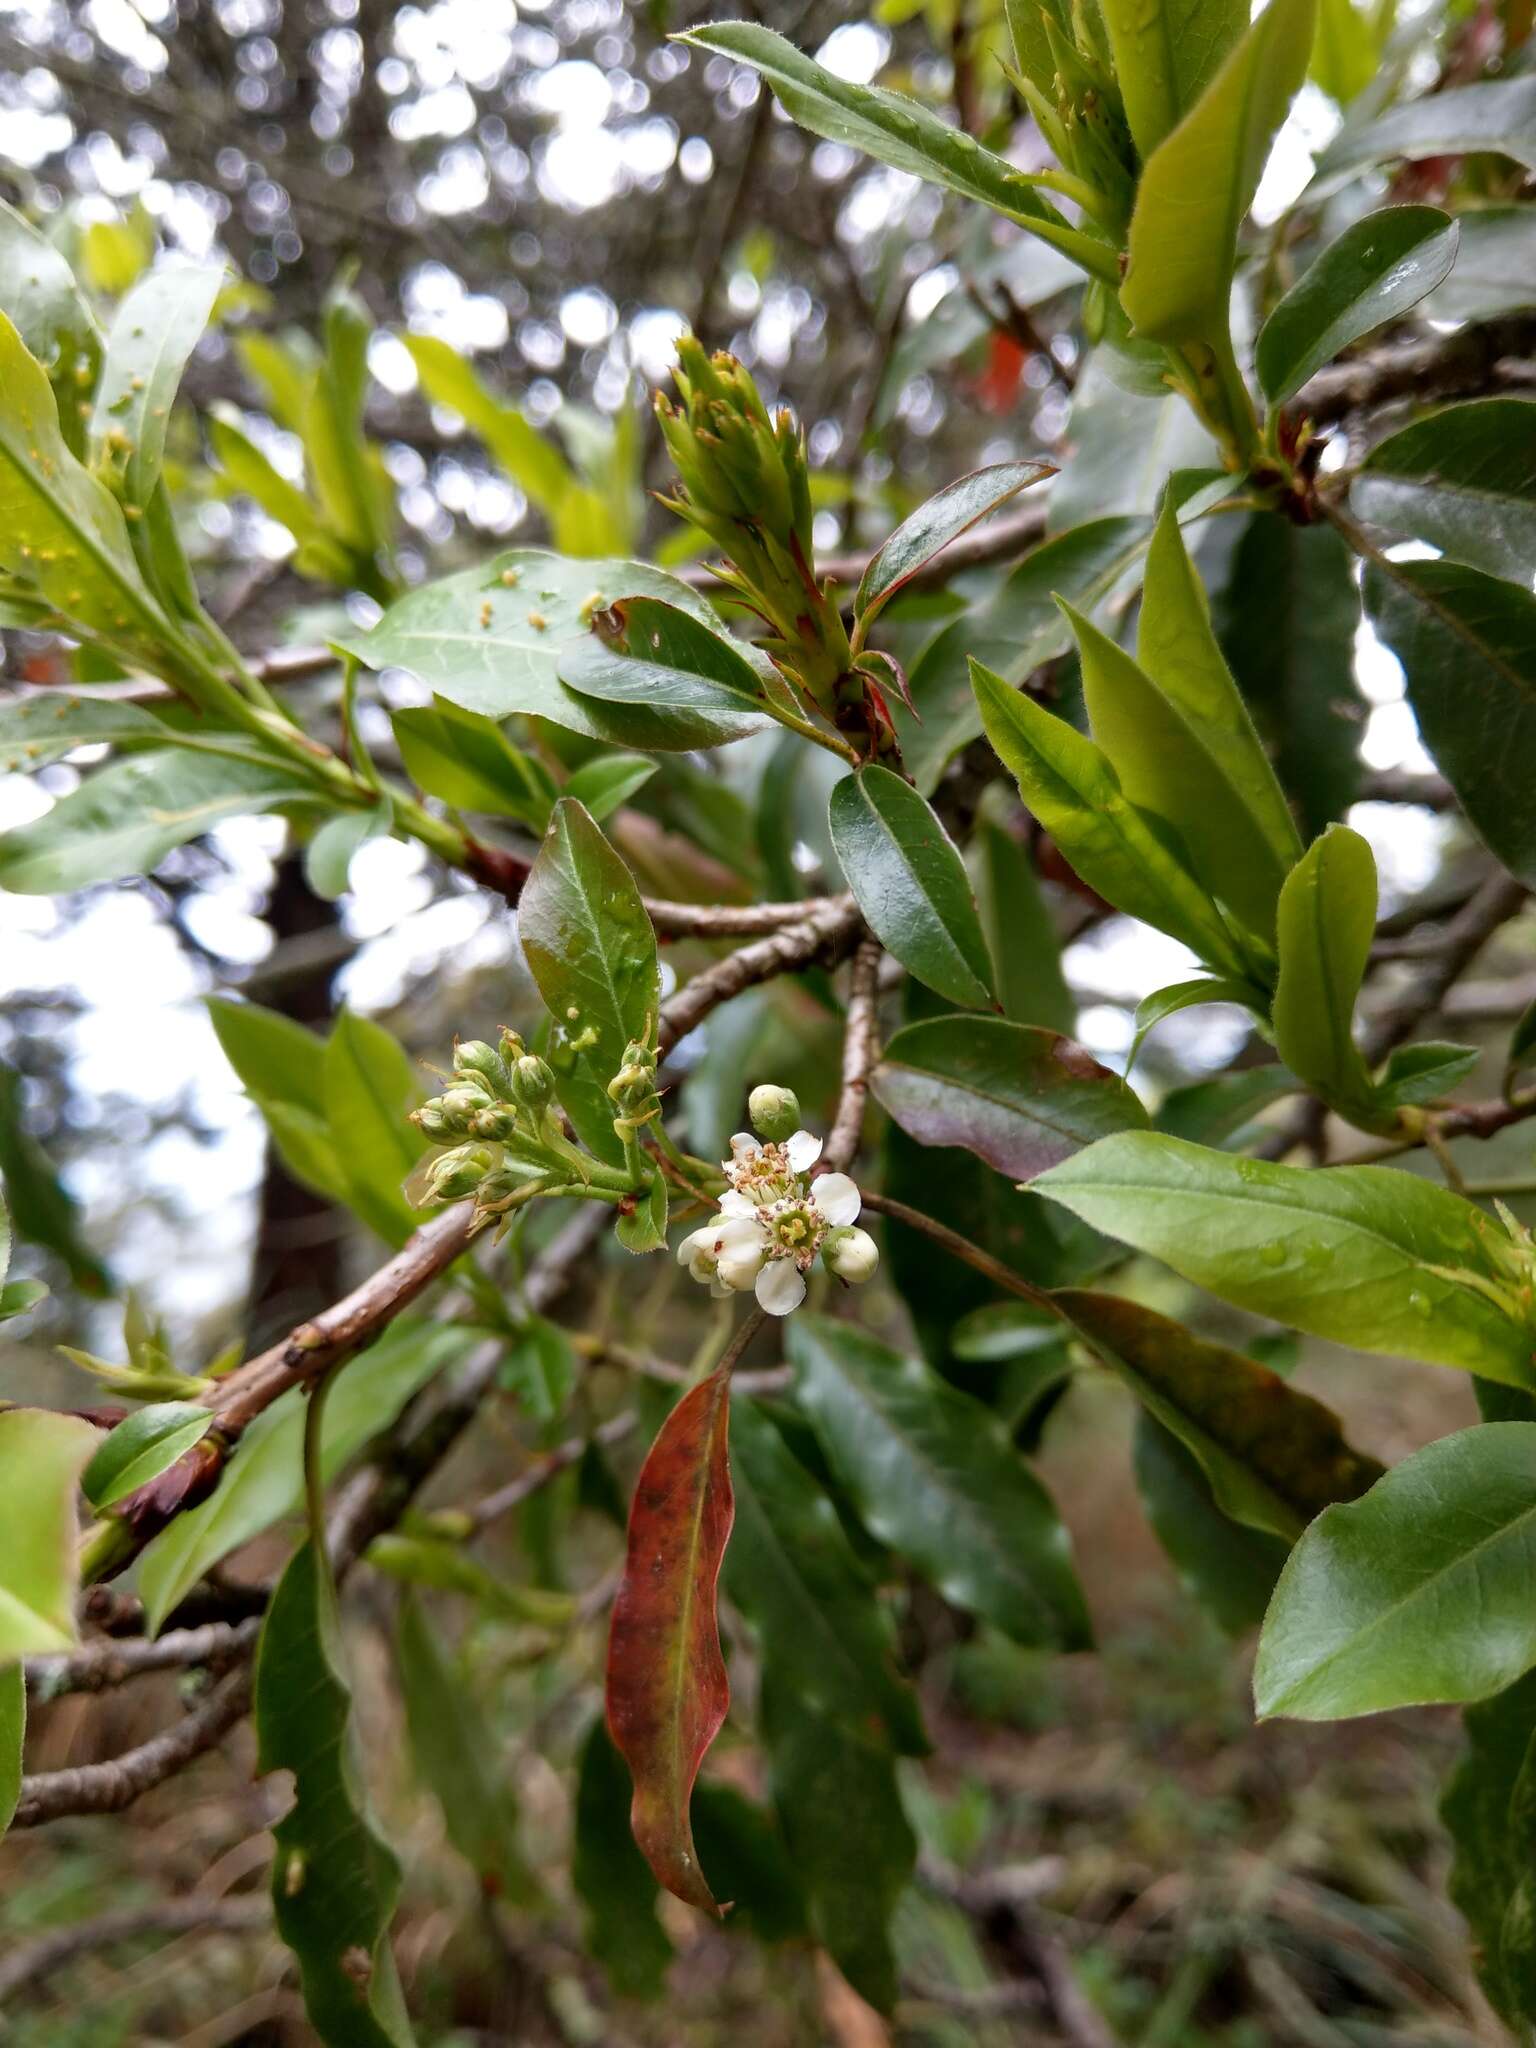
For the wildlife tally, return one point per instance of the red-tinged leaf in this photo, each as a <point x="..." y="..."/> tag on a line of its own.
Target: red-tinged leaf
<point x="667" y="1685"/>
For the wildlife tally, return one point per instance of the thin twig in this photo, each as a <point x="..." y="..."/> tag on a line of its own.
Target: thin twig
<point x="546" y="1468"/>
<point x="861" y="1049"/>
<point x="961" y="1248"/>
<point x="825" y="934"/>
<point x="101" y="1665"/>
<point x="196" y="1914"/>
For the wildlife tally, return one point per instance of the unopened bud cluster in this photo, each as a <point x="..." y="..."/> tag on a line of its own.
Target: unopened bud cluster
<point x="497" y="1098"/>
<point x="744" y="481"/>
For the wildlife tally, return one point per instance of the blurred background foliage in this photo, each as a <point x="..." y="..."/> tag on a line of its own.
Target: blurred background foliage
<point x="477" y="227"/>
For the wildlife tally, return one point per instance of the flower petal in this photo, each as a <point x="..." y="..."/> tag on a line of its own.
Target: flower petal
<point x="744" y="1148"/>
<point x="734" y="1204"/>
<point x="695" y="1242"/>
<point x="738" y="1234"/>
<point x="802" y="1152"/>
<point x="836" y="1195"/>
<point x="780" y="1287"/>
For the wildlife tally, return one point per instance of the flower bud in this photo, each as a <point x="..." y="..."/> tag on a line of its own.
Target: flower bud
<point x="459" y="1103"/>
<point x="497" y="1123"/>
<point x="476" y="1057"/>
<point x="431" y="1121"/>
<point x="533" y="1083"/>
<point x="459" y="1172"/>
<point x="851" y="1254"/>
<point x="512" y="1047"/>
<point x="775" y="1113"/>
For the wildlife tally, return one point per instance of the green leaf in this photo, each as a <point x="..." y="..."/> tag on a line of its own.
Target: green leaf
<point x="697" y="681"/>
<point x="13" y="1736"/>
<point x="1126" y="443"/>
<point x="455" y="1754"/>
<point x="19" y="1297"/>
<point x="1184" y="995"/>
<point x="1498" y="117"/>
<point x="943" y="518"/>
<point x="37" y="729"/>
<point x="910" y="883"/>
<point x="933" y="1474"/>
<point x="328" y="856"/>
<point x="42" y="1209"/>
<point x="1198" y="183"/>
<point x="1168" y="774"/>
<point x="39" y="294"/>
<point x="1288" y="619"/>
<point x="1164" y="58"/>
<point x="1365" y="1255"/>
<point x="141" y="1447"/>
<point x="540" y="1368"/>
<point x="849" y="1839"/>
<point x="469" y="762"/>
<point x="1467" y="643"/>
<point x="1464" y="479"/>
<point x="1489" y="1811"/>
<point x="264" y="1480"/>
<point x="41" y="1458"/>
<point x="1495" y="269"/>
<point x="534" y="464"/>
<point x="607" y="783"/>
<point x="153" y="334"/>
<point x="1417" y="1593"/>
<point x="1229" y="1569"/>
<point x="1327" y="923"/>
<point x="281" y="1066"/>
<point x="1073" y="790"/>
<point x="591" y="950"/>
<point x="1016" y="1096"/>
<point x="1347" y="52"/>
<point x="644" y="1228"/>
<point x="335" y="1880"/>
<point x="1014" y="631"/>
<point x="1273" y="1457"/>
<point x="901" y="133"/>
<point x="744" y="1846"/>
<point x="1177" y="647"/>
<point x="126" y="817"/>
<point x="370" y="1088"/>
<point x="793" y="1572"/>
<point x="1425" y="1072"/>
<point x="62" y="533"/>
<point x="1376" y="271"/>
<point x="1222" y="1110"/>
<point x="348" y="480"/>
<point x="1017" y="927"/>
<point x="491" y="640"/>
<point x="320" y="554"/>
<point x="612" y="1879"/>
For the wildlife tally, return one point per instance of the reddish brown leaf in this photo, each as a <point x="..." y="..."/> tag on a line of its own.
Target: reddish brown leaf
<point x="667" y="1685"/>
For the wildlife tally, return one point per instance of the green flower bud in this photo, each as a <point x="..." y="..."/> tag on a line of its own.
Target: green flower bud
<point x="512" y="1047"/>
<point x="851" y="1254"/>
<point x="457" y="1107"/>
<point x="434" y="1124"/>
<point x="459" y="1172"/>
<point x="533" y="1083"/>
<point x="497" y="1123"/>
<point x="775" y="1113"/>
<point x="476" y="1057"/>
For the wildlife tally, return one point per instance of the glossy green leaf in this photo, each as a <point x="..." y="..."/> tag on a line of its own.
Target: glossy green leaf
<point x="38" y="728"/>
<point x="13" y="1736"/>
<point x="1184" y="995"/>
<point x="1377" y="270"/>
<point x="1495" y="269"/>
<point x="1489" y="1811"/>
<point x="1017" y="926"/>
<point x="1327" y="923"/>
<point x="491" y="639"/>
<point x="899" y="132"/>
<point x="612" y="1878"/>
<point x="1288" y="617"/>
<point x="1498" y="116"/>
<point x="934" y="1475"/>
<point x="1426" y="1072"/>
<point x="1231" y="1570"/>
<point x="1165" y="56"/>
<point x="329" y="855"/>
<point x="469" y="762"/>
<point x="1125" y="445"/>
<point x="370" y="1088"/>
<point x="591" y="949"/>
<point x="1073" y="790"/>
<point x="1016" y="1096"/>
<point x="126" y="817"/>
<point x="1464" y="480"/>
<point x="281" y="1066"/>
<point x="1198" y="183"/>
<point x="1467" y="643"/>
<point x="38" y="293"/>
<point x="848" y="1836"/>
<point x="1014" y="632"/>
<point x="1177" y="647"/>
<point x="943" y="518"/>
<point x="1167" y="773"/>
<point x="910" y="883"/>
<point x="1273" y="1456"/>
<point x="677" y="670"/>
<point x="141" y="1447"/>
<point x="41" y="1458"/>
<point x="1366" y="1255"/>
<point x="152" y="336"/>
<point x="42" y="1209"/>
<point x="606" y="784"/>
<point x="793" y="1572"/>
<point x="1223" y="1110"/>
<point x="335" y="1880"/>
<point x="1419" y="1592"/>
<point x="264" y="1479"/>
<point x="456" y="1756"/>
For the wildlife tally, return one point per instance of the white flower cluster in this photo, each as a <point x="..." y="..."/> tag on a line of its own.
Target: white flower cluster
<point x="773" y="1222"/>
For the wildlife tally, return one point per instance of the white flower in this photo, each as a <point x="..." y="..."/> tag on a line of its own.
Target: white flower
<point x="773" y="1221"/>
